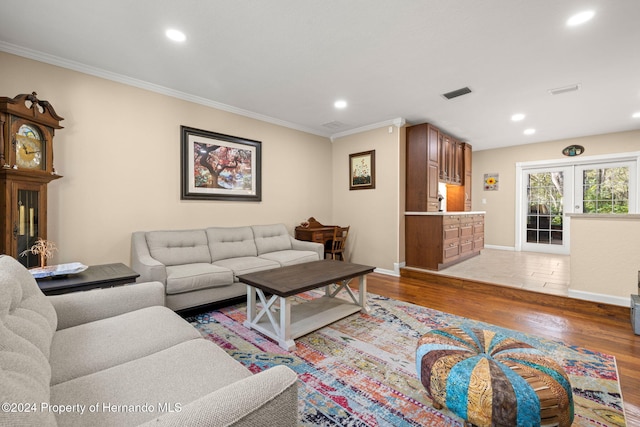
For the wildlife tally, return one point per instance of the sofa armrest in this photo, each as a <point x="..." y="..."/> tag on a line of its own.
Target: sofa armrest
<point x="150" y="269"/>
<point x="302" y="245"/>
<point x="268" y="398"/>
<point x="76" y="308"/>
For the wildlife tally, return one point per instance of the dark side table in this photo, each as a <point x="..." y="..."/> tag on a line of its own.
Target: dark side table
<point x="96" y="276"/>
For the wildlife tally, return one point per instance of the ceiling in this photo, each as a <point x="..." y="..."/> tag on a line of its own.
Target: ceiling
<point x="287" y="61"/>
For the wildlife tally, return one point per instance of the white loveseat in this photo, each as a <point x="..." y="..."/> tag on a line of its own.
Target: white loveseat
<point x="199" y="267"/>
<point x="118" y="357"/>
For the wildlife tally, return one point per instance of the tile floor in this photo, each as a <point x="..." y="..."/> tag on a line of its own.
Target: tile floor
<point x="547" y="273"/>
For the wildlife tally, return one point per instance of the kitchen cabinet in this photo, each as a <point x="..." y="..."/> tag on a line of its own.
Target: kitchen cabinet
<point x="433" y="157"/>
<point x="422" y="168"/>
<point x="459" y="196"/>
<point x="439" y="240"/>
<point x="478" y="233"/>
<point x="466" y="167"/>
<point x="450" y="159"/>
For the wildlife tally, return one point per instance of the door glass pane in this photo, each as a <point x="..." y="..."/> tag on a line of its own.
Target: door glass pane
<point x="605" y="190"/>
<point x="545" y="200"/>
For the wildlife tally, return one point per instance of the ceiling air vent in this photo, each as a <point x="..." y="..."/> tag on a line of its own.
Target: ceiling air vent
<point x="564" y="89"/>
<point x="333" y="125"/>
<point x="457" y="93"/>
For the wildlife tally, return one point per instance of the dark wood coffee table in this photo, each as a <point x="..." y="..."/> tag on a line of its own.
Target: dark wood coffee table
<point x="96" y="276"/>
<point x="296" y="320"/>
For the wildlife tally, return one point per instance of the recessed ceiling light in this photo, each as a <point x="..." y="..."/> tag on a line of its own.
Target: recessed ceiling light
<point x="517" y="117"/>
<point x="580" y="18"/>
<point x="529" y="131"/>
<point x="175" y="35"/>
<point x="636" y="115"/>
<point x="340" y="104"/>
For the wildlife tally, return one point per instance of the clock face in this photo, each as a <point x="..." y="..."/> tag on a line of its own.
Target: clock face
<point x="29" y="148"/>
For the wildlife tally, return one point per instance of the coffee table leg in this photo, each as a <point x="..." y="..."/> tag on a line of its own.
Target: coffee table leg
<point x="284" y="333"/>
<point x="344" y="285"/>
<point x="281" y="329"/>
<point x="362" y="294"/>
<point x="251" y="305"/>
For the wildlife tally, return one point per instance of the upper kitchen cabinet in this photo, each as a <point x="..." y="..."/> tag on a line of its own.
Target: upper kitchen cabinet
<point x="433" y="157"/>
<point x="459" y="196"/>
<point x="450" y="159"/>
<point x="422" y="168"/>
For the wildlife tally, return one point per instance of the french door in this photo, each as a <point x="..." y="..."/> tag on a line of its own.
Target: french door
<point x="544" y="228"/>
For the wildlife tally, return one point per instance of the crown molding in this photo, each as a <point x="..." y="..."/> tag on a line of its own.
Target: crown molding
<point x="397" y="122"/>
<point x="141" y="84"/>
<point x="162" y="90"/>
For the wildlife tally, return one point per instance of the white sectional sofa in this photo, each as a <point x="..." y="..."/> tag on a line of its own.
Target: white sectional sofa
<point x="199" y="267"/>
<point x="118" y="357"/>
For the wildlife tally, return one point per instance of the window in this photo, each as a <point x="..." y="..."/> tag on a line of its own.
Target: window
<point x="605" y="190"/>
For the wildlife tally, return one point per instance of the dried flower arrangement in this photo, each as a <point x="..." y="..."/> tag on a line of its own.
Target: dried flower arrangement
<point x="43" y="248"/>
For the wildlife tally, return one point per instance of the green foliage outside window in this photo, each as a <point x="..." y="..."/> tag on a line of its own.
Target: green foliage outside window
<point x="606" y="190"/>
<point x="546" y="195"/>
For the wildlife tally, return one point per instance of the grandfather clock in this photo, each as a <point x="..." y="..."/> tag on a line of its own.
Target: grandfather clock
<point x="27" y="127"/>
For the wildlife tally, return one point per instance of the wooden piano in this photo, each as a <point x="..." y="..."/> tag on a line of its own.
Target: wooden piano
<point x="313" y="231"/>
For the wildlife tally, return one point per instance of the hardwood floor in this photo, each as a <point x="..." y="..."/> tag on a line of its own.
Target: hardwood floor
<point x="598" y="327"/>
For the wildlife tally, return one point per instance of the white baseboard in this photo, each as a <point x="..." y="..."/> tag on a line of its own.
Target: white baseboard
<point x="605" y="299"/>
<point x="386" y="272"/>
<point x="500" y="248"/>
<point x="395" y="272"/>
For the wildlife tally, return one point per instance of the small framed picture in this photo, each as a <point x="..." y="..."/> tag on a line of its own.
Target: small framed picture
<point x="215" y="166"/>
<point x="362" y="170"/>
<point x="491" y="181"/>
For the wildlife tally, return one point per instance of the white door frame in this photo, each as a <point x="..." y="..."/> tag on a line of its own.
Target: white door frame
<point x="567" y="207"/>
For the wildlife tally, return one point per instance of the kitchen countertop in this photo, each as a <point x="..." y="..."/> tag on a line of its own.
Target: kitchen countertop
<point x="447" y="213"/>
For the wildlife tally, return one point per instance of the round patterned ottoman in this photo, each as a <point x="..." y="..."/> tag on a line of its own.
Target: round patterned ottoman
<point x="490" y="379"/>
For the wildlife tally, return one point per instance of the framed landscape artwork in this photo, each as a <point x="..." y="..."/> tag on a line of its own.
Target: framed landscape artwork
<point x="215" y="166"/>
<point x="362" y="170"/>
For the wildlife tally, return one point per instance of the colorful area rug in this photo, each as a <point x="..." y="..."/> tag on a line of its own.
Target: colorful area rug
<point x="361" y="370"/>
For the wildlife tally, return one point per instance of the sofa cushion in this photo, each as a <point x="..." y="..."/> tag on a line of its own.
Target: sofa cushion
<point x="246" y="265"/>
<point x="190" y="277"/>
<point x="177" y="247"/>
<point x="231" y="242"/>
<point x="271" y="238"/>
<point x="27" y="325"/>
<point x="168" y="379"/>
<point x="291" y="257"/>
<point x="115" y="340"/>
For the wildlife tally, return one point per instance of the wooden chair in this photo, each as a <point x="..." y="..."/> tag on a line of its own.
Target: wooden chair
<point x="335" y="248"/>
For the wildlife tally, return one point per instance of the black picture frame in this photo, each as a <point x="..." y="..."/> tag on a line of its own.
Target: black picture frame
<point x="215" y="166"/>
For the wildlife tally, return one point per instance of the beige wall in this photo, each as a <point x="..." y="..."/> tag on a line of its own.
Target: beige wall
<point x="373" y="214"/>
<point x="119" y="154"/>
<point x="500" y="205"/>
<point x="604" y="257"/>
